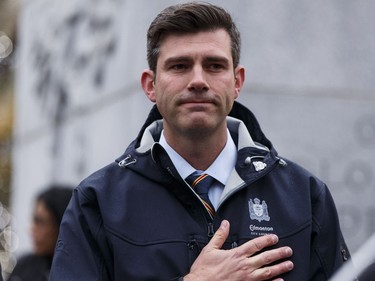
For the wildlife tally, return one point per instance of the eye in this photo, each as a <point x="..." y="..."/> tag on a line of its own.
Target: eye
<point x="215" y="67"/>
<point x="179" y="67"/>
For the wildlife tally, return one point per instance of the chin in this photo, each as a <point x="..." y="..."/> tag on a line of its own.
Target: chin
<point x="43" y="252"/>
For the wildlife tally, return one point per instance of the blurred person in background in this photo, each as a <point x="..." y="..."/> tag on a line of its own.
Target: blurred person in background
<point x="49" y="208"/>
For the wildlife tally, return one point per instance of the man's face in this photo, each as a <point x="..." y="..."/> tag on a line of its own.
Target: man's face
<point x="195" y="83"/>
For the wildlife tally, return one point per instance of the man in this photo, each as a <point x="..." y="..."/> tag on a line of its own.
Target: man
<point x="142" y="218"/>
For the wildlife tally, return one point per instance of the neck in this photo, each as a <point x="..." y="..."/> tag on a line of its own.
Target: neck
<point x="200" y="151"/>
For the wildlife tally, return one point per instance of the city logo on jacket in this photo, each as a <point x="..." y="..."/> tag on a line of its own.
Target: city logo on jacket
<point x="258" y="211"/>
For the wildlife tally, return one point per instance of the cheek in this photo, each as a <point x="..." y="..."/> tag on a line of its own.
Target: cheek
<point x="225" y="85"/>
<point x="168" y="85"/>
<point x="45" y="240"/>
<point x="165" y="98"/>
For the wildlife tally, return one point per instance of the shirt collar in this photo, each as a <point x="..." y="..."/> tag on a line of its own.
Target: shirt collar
<point x="220" y="169"/>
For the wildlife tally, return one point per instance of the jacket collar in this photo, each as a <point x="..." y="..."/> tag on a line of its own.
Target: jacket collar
<point x="236" y="127"/>
<point x="256" y="155"/>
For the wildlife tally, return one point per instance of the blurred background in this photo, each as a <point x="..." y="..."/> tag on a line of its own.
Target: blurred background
<point x="71" y="101"/>
<point x="8" y="41"/>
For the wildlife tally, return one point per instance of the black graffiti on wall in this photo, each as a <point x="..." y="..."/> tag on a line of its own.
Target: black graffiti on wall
<point x="75" y="51"/>
<point x="70" y="55"/>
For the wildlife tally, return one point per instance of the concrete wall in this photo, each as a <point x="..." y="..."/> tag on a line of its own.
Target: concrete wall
<point x="309" y="64"/>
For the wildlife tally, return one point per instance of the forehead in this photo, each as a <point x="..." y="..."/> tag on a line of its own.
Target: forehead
<point x="216" y="42"/>
<point x="41" y="209"/>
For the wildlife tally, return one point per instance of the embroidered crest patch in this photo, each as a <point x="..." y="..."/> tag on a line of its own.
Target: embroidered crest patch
<point x="258" y="211"/>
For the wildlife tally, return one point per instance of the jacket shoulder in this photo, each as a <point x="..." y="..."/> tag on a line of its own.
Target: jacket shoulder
<point x="298" y="173"/>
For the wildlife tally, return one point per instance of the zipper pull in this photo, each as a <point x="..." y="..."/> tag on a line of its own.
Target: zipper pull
<point x="192" y="244"/>
<point x="210" y="228"/>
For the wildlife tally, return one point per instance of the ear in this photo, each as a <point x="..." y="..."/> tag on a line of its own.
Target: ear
<point x="148" y="85"/>
<point x="239" y="75"/>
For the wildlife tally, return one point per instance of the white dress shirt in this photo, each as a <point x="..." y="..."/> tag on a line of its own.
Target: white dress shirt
<point x="220" y="169"/>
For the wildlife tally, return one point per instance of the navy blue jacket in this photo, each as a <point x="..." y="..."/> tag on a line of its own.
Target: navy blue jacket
<point x="137" y="219"/>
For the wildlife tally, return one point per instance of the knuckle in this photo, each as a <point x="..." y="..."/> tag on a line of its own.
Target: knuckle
<point x="251" y="263"/>
<point x="267" y="273"/>
<point x="236" y="254"/>
<point x="267" y="259"/>
<point x="257" y="244"/>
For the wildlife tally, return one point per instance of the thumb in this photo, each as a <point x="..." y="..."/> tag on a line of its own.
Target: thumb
<point x="220" y="236"/>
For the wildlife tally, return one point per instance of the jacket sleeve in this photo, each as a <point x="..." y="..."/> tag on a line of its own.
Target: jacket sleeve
<point x="81" y="251"/>
<point x="329" y="250"/>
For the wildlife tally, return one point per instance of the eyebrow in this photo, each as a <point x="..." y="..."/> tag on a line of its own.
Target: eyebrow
<point x="181" y="59"/>
<point x="217" y="59"/>
<point x="173" y="60"/>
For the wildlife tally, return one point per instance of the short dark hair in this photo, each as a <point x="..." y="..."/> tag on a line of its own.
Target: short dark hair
<point x="190" y="18"/>
<point x="56" y="198"/>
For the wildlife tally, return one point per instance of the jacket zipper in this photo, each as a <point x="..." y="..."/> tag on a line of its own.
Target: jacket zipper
<point x="210" y="225"/>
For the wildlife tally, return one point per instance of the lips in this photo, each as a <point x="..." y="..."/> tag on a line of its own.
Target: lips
<point x="197" y="105"/>
<point x="197" y="101"/>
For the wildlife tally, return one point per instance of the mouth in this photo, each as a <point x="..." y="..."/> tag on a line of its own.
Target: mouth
<point x="197" y="105"/>
<point x="197" y="101"/>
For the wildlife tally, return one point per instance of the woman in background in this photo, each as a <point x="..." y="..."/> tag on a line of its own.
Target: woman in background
<point x="49" y="208"/>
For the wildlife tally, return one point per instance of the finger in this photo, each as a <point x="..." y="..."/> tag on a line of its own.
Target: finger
<point x="257" y="244"/>
<point x="270" y="256"/>
<point x="217" y="241"/>
<point x="267" y="273"/>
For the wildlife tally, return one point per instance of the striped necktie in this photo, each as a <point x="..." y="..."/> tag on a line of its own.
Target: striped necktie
<point x="201" y="183"/>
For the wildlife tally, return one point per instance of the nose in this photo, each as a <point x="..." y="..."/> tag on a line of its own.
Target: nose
<point x="198" y="82"/>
